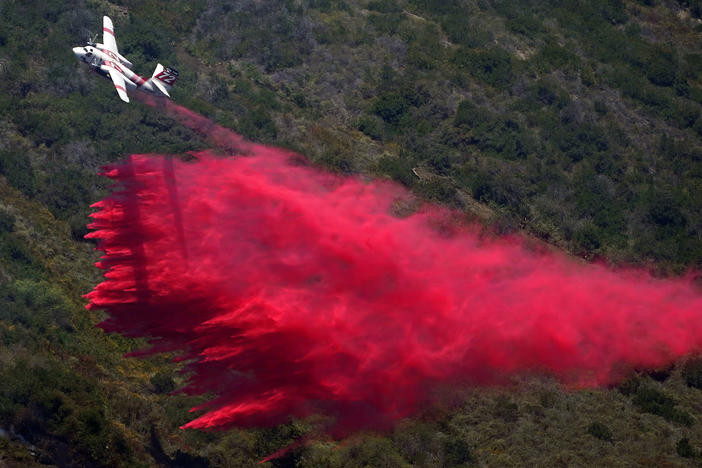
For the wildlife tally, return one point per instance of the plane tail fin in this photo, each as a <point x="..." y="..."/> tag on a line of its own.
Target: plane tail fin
<point x="164" y="78"/>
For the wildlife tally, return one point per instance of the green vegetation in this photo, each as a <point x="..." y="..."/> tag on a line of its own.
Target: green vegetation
<point x="652" y="401"/>
<point x="599" y="430"/>
<point x="684" y="448"/>
<point x="578" y="122"/>
<point x="692" y="372"/>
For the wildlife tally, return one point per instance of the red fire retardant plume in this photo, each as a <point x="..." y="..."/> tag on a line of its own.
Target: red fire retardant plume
<point x="289" y="292"/>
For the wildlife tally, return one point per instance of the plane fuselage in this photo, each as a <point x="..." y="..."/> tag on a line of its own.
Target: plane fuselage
<point x="106" y="60"/>
<point x="103" y="60"/>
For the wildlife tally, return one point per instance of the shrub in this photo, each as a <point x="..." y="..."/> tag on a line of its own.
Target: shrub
<point x="371" y="126"/>
<point x="552" y="56"/>
<point x="661" y="69"/>
<point x="436" y="189"/>
<point x="650" y="400"/>
<point x="493" y="66"/>
<point x="613" y="11"/>
<point x="420" y="58"/>
<point x="505" y="409"/>
<point x="257" y="124"/>
<point x="661" y="374"/>
<point x="526" y="24"/>
<point x="601" y="107"/>
<point x="470" y="115"/>
<point x="684" y="448"/>
<point x="692" y="373"/>
<point x="588" y="238"/>
<point x="385" y="6"/>
<point x="600" y="431"/>
<point x="18" y="171"/>
<point x="695" y="7"/>
<point x="463" y="32"/>
<point x="393" y="106"/>
<point x="438" y="6"/>
<point x="7" y="222"/>
<point x="503" y="137"/>
<point x="386" y="23"/>
<point x="162" y="382"/>
<point x="457" y="452"/>
<point x="330" y="5"/>
<point x="399" y="168"/>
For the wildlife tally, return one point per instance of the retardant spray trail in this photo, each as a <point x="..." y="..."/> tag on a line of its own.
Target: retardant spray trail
<point x="290" y="292"/>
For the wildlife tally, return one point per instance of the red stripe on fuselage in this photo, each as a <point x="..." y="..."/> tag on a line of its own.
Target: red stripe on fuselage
<point x="114" y="65"/>
<point x="139" y="80"/>
<point x="108" y="30"/>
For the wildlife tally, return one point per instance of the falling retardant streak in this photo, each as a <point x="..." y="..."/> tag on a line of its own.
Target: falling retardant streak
<point x="288" y="291"/>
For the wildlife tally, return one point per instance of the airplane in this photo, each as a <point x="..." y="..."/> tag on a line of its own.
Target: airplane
<point x="107" y="61"/>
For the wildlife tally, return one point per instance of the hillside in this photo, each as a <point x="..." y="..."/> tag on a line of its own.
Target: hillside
<point x="575" y="122"/>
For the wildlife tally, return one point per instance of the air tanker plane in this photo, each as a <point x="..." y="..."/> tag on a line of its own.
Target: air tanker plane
<point x="107" y="61"/>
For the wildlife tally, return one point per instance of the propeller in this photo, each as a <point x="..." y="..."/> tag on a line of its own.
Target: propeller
<point x="89" y="35"/>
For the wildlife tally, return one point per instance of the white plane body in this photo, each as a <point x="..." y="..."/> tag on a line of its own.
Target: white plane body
<point x="107" y="61"/>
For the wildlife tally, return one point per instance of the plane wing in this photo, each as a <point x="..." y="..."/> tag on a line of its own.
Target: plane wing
<point x="118" y="80"/>
<point x="108" y="35"/>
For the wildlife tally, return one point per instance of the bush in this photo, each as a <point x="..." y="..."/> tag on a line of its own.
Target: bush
<point x="470" y="115"/>
<point x="552" y="56"/>
<point x="526" y="24"/>
<point x="505" y="409"/>
<point x="163" y="382"/>
<point x="436" y="189"/>
<point x="371" y="126"/>
<point x="385" y="6"/>
<point x="692" y="373"/>
<point x="7" y="222"/>
<point x="257" y="124"/>
<point x="18" y="171"/>
<point x="588" y="238"/>
<point x="660" y="375"/>
<point x="695" y="7"/>
<point x="18" y="258"/>
<point x="392" y="107"/>
<point x="457" y="452"/>
<point x="650" y="400"/>
<point x="463" y="32"/>
<point x="661" y="69"/>
<point x="493" y="66"/>
<point x="614" y="11"/>
<point x="399" y="168"/>
<point x="329" y="5"/>
<point x="438" y="6"/>
<point x="503" y="137"/>
<point x="600" y="431"/>
<point x="684" y="448"/>
<point x="386" y="23"/>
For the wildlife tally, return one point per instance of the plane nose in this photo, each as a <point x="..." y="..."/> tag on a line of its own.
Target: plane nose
<point x="78" y="51"/>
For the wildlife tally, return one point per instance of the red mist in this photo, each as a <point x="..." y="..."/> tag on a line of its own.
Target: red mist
<point x="289" y="291"/>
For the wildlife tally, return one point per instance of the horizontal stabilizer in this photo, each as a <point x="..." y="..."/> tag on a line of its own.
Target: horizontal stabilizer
<point x="160" y="86"/>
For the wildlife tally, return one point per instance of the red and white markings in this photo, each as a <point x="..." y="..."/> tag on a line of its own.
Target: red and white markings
<point x="139" y="80"/>
<point x="114" y="65"/>
<point x="167" y="77"/>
